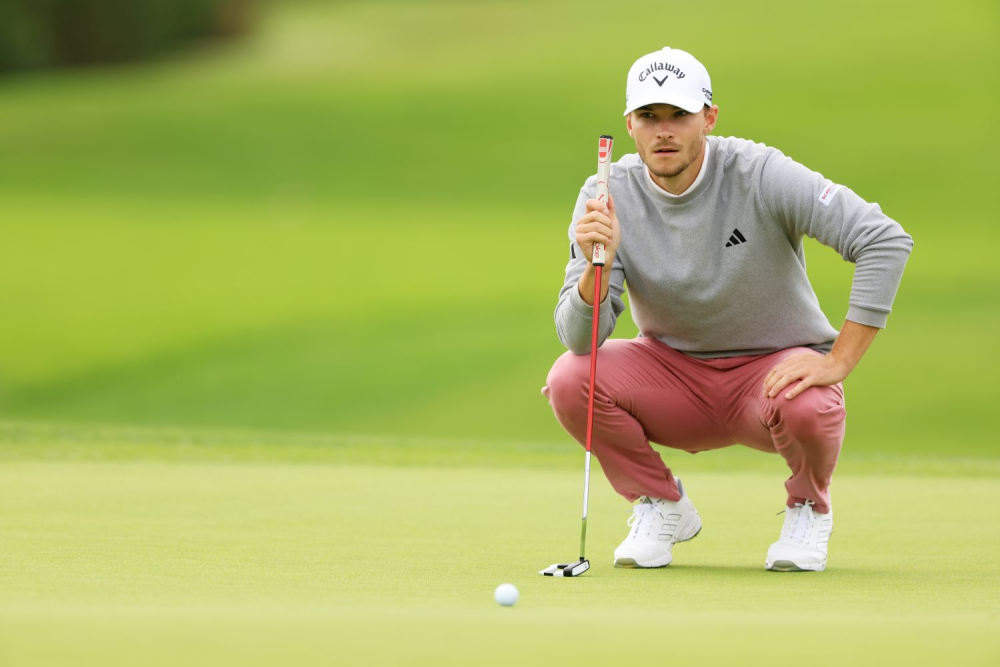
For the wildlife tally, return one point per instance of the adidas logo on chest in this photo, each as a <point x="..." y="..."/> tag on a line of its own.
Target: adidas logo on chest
<point x="736" y="238"/>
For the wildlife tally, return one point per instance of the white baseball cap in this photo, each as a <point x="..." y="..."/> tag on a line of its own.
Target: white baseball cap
<point x="668" y="76"/>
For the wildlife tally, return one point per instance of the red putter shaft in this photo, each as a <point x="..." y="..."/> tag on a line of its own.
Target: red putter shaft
<point x="593" y="353"/>
<point x="605" y="145"/>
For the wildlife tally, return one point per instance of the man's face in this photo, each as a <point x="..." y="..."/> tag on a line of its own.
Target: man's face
<point x="668" y="138"/>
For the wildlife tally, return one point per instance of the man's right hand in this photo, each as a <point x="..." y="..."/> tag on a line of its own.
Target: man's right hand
<point x="599" y="225"/>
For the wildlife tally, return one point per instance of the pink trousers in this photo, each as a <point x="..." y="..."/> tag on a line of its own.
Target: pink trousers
<point x="646" y="391"/>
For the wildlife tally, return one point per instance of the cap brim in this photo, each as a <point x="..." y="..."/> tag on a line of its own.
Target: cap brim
<point x="689" y="104"/>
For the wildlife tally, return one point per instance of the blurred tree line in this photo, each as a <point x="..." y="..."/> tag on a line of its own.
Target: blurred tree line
<point x="60" y="33"/>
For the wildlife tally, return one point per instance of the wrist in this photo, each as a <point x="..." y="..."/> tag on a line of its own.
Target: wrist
<point x="840" y="366"/>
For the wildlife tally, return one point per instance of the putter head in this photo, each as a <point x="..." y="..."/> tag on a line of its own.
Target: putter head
<point x="566" y="569"/>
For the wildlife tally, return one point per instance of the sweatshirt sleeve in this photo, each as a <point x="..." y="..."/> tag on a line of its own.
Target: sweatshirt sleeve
<point x="807" y="204"/>
<point x="574" y="318"/>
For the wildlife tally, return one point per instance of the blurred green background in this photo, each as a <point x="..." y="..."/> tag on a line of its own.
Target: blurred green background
<point x="354" y="218"/>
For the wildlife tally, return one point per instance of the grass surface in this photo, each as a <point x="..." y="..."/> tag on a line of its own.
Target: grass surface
<point x="172" y="556"/>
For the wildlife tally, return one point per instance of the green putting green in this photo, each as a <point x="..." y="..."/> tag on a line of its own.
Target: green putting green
<point x="136" y="546"/>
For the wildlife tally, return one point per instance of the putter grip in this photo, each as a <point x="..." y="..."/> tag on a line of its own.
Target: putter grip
<point x="603" y="174"/>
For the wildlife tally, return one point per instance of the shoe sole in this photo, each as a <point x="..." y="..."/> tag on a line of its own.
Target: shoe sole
<point x="789" y="566"/>
<point x="632" y="564"/>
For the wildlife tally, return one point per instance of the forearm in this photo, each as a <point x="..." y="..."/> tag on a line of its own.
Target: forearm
<point x="589" y="277"/>
<point x="851" y="345"/>
<point x="574" y="312"/>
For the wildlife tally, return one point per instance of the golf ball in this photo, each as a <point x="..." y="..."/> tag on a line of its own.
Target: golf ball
<point x="506" y="594"/>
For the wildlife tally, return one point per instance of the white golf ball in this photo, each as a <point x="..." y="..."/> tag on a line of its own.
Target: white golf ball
<point x="506" y="594"/>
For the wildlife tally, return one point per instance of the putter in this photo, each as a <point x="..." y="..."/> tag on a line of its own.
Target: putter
<point x="603" y="174"/>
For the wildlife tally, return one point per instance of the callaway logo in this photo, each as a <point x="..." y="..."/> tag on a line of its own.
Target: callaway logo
<point x="660" y="82"/>
<point x="660" y="67"/>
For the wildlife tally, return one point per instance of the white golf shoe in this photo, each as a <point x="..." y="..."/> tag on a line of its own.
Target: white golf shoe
<point x="803" y="543"/>
<point x="656" y="525"/>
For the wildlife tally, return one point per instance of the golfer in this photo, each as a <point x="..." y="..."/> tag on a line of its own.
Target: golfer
<point x="733" y="347"/>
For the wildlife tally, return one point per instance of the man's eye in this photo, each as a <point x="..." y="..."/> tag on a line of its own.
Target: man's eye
<point x="682" y="113"/>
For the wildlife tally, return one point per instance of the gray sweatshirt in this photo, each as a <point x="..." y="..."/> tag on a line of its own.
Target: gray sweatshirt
<point x="719" y="271"/>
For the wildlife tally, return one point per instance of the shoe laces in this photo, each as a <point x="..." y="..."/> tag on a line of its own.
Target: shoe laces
<point x="643" y="516"/>
<point x="799" y="521"/>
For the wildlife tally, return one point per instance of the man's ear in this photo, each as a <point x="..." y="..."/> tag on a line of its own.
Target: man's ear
<point x="628" y="124"/>
<point x="711" y="118"/>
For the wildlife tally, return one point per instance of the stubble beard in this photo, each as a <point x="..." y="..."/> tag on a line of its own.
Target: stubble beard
<point x="673" y="172"/>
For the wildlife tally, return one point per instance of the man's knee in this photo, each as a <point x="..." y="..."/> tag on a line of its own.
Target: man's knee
<point x="568" y="383"/>
<point x="816" y="414"/>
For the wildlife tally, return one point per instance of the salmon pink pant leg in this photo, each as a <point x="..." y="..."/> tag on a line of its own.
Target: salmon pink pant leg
<point x="647" y="392"/>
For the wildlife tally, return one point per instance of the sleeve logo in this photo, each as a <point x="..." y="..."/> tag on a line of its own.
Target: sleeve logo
<point x="828" y="194"/>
